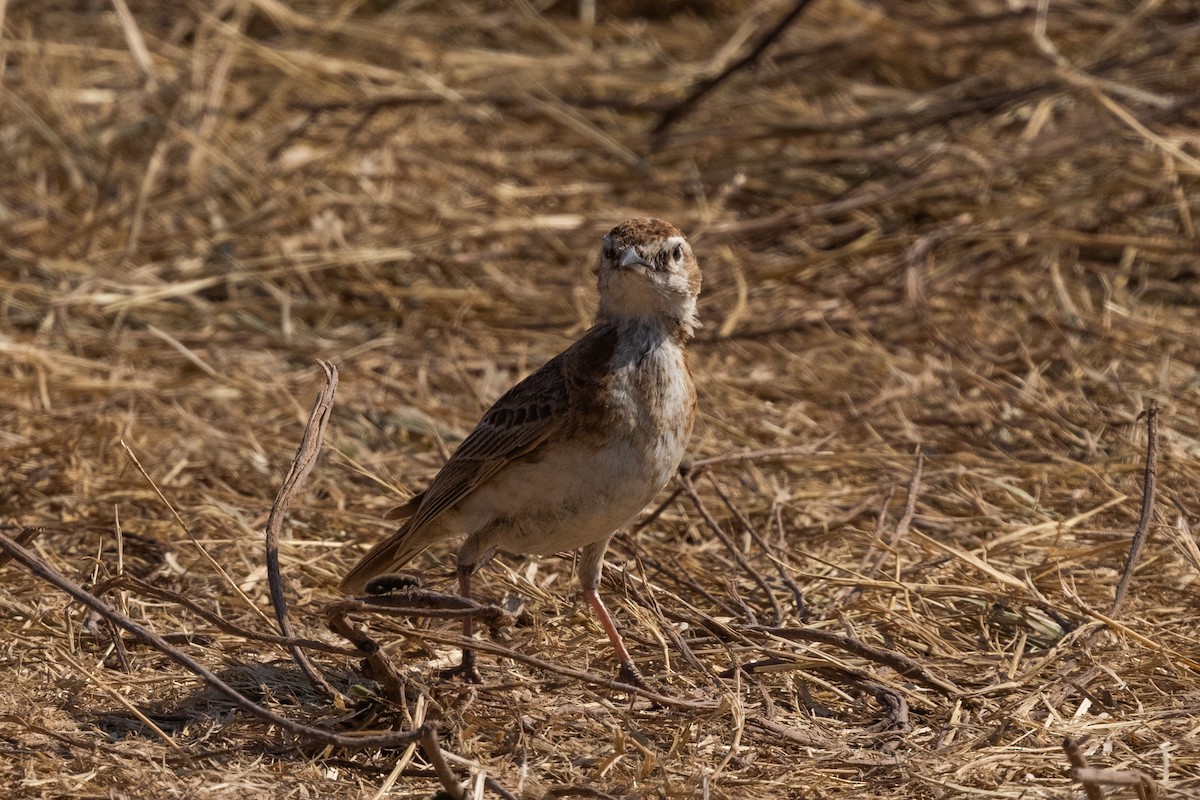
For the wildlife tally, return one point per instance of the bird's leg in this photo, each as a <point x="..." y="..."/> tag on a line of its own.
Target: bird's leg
<point x="591" y="562"/>
<point x="629" y="672"/>
<point x="466" y="668"/>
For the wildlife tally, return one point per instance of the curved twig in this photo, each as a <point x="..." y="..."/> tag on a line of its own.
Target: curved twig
<point x="690" y="488"/>
<point x="302" y="464"/>
<point x="485" y="646"/>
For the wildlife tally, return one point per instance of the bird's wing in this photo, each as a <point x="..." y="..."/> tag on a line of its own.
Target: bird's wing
<point x="524" y="417"/>
<point x="520" y="421"/>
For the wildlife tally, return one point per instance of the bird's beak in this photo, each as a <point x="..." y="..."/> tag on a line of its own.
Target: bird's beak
<point x="631" y="257"/>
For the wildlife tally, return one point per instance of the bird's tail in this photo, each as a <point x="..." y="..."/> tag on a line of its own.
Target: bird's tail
<point x="390" y="554"/>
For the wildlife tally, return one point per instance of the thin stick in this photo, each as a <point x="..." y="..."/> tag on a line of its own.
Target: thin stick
<point x="302" y="464"/>
<point x="1079" y="762"/>
<point x="39" y="567"/>
<point x="1145" y="786"/>
<point x="577" y="791"/>
<point x="906" y="666"/>
<point x="484" y="646"/>
<point x="122" y="596"/>
<point x="433" y="752"/>
<point x="495" y="786"/>
<point x="219" y="622"/>
<point x="797" y="592"/>
<point x="895" y="707"/>
<point x="1081" y="79"/>
<point x="753" y="455"/>
<point x="696" y="468"/>
<point x="1149" y="484"/>
<point x="645" y="597"/>
<point x="690" y="488"/>
<point x="874" y="559"/>
<point x="24" y="538"/>
<point x="910" y="502"/>
<point x="369" y="649"/>
<point x="681" y="109"/>
<point x="154" y="166"/>
<point x="401" y="606"/>
<point x="780" y="567"/>
<point x="216" y="565"/>
<point x="124" y="701"/>
<point x="134" y="40"/>
<point x="186" y="352"/>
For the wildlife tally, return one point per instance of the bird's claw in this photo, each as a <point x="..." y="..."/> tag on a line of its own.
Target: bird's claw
<point x="465" y="670"/>
<point x="629" y="674"/>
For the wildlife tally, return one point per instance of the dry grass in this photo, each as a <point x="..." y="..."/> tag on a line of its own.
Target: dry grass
<point x="926" y="227"/>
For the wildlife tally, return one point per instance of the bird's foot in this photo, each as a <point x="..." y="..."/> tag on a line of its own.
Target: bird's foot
<point x="631" y="675"/>
<point x="465" y="670"/>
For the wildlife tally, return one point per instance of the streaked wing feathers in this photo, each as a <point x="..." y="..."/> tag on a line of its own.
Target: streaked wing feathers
<point x="524" y="417"/>
<point x="538" y="408"/>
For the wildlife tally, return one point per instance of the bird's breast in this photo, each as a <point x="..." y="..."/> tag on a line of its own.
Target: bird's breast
<point x="632" y="418"/>
<point x="652" y="400"/>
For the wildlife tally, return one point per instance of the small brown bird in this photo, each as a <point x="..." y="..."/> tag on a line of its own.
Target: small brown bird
<point x="575" y="451"/>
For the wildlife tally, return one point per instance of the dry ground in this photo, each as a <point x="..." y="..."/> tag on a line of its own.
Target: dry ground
<point x="920" y="223"/>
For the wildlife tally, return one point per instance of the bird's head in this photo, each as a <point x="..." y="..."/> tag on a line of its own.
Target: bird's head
<point x="648" y="273"/>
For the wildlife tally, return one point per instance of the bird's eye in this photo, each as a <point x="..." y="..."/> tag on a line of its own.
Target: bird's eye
<point x="610" y="247"/>
<point x="677" y="254"/>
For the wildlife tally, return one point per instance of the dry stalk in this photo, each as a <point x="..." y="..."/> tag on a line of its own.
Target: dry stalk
<point x="680" y="109"/>
<point x="135" y="41"/>
<point x="1079" y="762"/>
<point x="24" y="538"/>
<point x="433" y="752"/>
<point x="302" y="464"/>
<point x="116" y="695"/>
<point x="381" y="666"/>
<point x="901" y="663"/>
<point x="1142" y="783"/>
<point x="390" y="606"/>
<point x="780" y="564"/>
<point x="556" y="792"/>
<point x="1140" y="534"/>
<point x="658" y="698"/>
<point x="644" y="596"/>
<point x="494" y="785"/>
<point x="222" y="624"/>
<point x="741" y="560"/>
<point x="872" y="560"/>
<point x="216" y="565"/>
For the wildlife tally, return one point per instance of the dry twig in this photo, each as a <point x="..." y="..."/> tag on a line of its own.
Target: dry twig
<point x="1140" y="534"/>
<point x="302" y="464"/>
<point x="717" y="531"/>
<point x="1079" y="762"/>
<point x="680" y="109"/>
<point x="906" y="666"/>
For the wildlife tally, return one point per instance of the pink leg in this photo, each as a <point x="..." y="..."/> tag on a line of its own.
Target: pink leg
<point x="466" y="669"/>
<point x="629" y="672"/>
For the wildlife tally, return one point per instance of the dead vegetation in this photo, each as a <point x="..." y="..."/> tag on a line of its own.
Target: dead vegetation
<point x="968" y="227"/>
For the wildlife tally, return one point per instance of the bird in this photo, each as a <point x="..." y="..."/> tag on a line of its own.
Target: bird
<point x="574" y="452"/>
